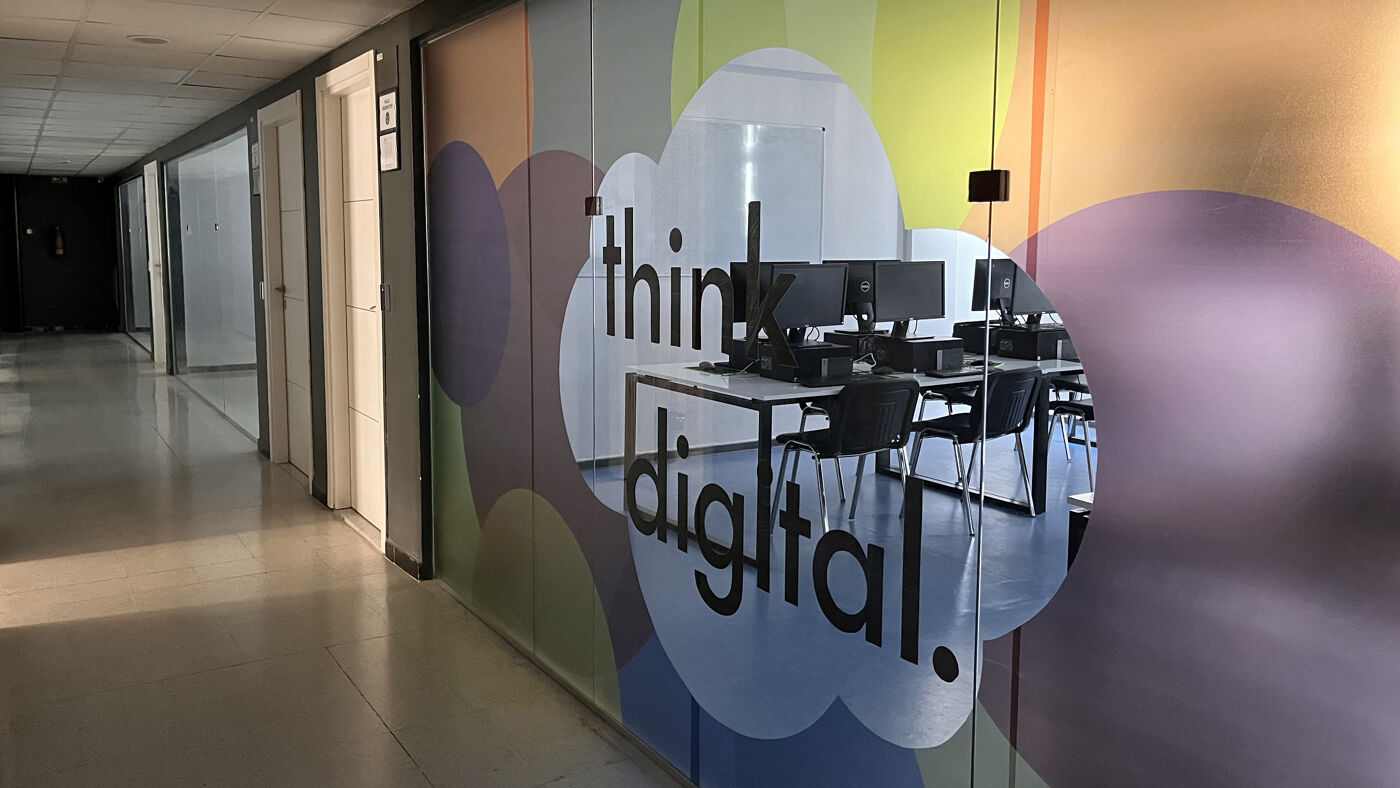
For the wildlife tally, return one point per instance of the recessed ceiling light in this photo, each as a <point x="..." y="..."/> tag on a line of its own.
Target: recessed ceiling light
<point x="148" y="39"/>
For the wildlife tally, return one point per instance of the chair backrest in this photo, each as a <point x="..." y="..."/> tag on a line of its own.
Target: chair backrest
<point x="872" y="415"/>
<point x="1010" y="397"/>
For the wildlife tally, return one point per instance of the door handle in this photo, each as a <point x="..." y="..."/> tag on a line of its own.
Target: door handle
<point x="281" y="289"/>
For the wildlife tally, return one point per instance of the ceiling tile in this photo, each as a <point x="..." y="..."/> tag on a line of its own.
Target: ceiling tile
<point x="193" y="104"/>
<point x="181" y="40"/>
<point x="171" y="16"/>
<point x="355" y="13"/>
<point x="24" y="93"/>
<point x="44" y="9"/>
<point x="271" y="69"/>
<point x="11" y="65"/>
<point x="306" y="31"/>
<point x="265" y="49"/>
<point x="38" y="29"/>
<point x="19" y="48"/>
<point x="6" y="101"/>
<point x="212" y="79"/>
<point x="89" y="99"/>
<point x="232" y="96"/>
<point x="125" y="88"/>
<point x="26" y="81"/>
<point x="136" y="55"/>
<point x="244" y="5"/>
<point x="112" y="71"/>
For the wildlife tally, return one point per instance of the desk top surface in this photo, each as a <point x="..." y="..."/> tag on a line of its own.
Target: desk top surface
<point x="751" y="386"/>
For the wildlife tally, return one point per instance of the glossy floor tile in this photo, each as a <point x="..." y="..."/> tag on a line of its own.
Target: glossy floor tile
<point x="176" y="611"/>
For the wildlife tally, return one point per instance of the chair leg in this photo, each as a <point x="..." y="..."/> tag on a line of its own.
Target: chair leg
<point x="1025" y="472"/>
<point x="840" y="480"/>
<point x="855" y="494"/>
<point x="910" y="464"/>
<point x="778" y="483"/>
<point x="821" y="491"/>
<point x="1064" y="434"/>
<point x="903" y="476"/>
<point x="962" y="483"/>
<point x="1089" y="455"/>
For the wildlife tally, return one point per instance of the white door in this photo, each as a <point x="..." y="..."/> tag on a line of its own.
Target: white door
<point x="364" y="334"/>
<point x="155" y="226"/>
<point x="284" y="261"/>
<point x="351" y="278"/>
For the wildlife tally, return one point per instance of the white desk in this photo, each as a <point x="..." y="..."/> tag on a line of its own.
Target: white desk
<point x="750" y="391"/>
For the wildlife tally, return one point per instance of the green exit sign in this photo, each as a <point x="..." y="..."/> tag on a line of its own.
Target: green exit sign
<point x="58" y="179"/>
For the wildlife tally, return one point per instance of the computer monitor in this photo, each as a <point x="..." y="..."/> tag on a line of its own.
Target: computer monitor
<point x="817" y="296"/>
<point x="1029" y="299"/>
<point x="1002" y="279"/>
<point x="860" y="284"/>
<point x="909" y="291"/>
<point x="1014" y="292"/>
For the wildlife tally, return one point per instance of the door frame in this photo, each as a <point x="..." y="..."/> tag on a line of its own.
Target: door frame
<point x="331" y="87"/>
<point x="155" y="266"/>
<point x="280" y="117"/>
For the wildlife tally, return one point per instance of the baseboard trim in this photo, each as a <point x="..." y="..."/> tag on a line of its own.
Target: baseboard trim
<point x="405" y="561"/>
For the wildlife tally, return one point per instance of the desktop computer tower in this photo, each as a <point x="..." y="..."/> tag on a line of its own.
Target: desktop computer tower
<point x="971" y="335"/>
<point x="919" y="354"/>
<point x="1036" y="343"/>
<point x="818" y="364"/>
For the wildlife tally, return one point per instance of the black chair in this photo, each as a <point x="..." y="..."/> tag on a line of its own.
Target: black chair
<point x="1077" y="410"/>
<point x="1010" y="398"/>
<point x="1073" y="387"/>
<point x="866" y="417"/>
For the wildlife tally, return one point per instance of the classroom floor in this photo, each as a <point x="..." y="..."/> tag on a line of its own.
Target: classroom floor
<point x="174" y="610"/>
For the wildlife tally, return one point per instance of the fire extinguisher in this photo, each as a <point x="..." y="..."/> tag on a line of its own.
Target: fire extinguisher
<point x="57" y="241"/>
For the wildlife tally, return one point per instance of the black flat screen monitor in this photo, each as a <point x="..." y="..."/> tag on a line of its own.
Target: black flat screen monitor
<point x="860" y="283"/>
<point x="909" y="291"/>
<point x="817" y="296"/>
<point x="1003" y="283"/>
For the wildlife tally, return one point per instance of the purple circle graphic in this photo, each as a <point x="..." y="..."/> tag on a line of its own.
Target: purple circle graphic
<point x="469" y="274"/>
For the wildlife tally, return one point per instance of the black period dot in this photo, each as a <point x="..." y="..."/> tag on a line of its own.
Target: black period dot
<point x="945" y="664"/>
<point x="675" y="239"/>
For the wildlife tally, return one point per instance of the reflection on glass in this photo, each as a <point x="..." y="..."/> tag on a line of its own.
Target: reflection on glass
<point x="136" y="281"/>
<point x="211" y="241"/>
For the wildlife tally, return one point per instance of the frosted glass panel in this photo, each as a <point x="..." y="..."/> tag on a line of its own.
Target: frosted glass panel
<point x="212" y="249"/>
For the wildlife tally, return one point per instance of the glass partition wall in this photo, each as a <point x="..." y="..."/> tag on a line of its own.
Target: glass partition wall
<point x="212" y="278"/>
<point x="615" y="484"/>
<point x="135" y="264"/>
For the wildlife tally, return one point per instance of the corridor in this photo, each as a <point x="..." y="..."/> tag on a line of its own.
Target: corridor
<point x="174" y="610"/>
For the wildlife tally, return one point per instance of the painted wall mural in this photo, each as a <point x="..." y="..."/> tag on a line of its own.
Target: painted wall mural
<point x="1200" y="192"/>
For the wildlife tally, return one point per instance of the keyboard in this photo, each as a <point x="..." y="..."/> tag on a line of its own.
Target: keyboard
<point x="966" y="369"/>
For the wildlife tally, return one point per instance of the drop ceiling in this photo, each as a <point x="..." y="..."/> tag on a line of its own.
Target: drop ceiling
<point x="80" y="94"/>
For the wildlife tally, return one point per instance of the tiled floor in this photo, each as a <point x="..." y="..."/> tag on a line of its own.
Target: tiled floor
<point x="176" y="611"/>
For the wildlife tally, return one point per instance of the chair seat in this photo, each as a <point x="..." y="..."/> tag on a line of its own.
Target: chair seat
<point x="824" y="440"/>
<point x="959" y="427"/>
<point x="1068" y="383"/>
<point x="958" y="396"/>
<point x="1083" y="408"/>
